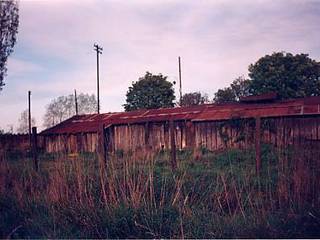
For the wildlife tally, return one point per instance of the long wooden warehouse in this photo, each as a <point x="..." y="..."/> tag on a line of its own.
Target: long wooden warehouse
<point x="209" y="126"/>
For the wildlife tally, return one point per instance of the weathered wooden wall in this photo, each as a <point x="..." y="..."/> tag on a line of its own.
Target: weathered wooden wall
<point x="151" y="135"/>
<point x="291" y="131"/>
<point x="18" y="142"/>
<point x="156" y="136"/>
<point x="13" y="142"/>
<point x="70" y="143"/>
<point x="212" y="135"/>
<point x="215" y="135"/>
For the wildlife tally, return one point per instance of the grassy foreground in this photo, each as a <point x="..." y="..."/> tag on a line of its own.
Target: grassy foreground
<point x="217" y="196"/>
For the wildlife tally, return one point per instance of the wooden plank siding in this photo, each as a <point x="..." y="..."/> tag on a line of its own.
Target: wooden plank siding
<point x="216" y="135"/>
<point x="70" y="143"/>
<point x="212" y="135"/>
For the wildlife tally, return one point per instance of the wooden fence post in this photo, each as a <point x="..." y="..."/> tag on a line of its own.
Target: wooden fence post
<point x="102" y="145"/>
<point x="146" y="133"/>
<point x="146" y="139"/>
<point x="258" y="144"/>
<point x="102" y="158"/>
<point x="35" y="148"/>
<point x="173" y="146"/>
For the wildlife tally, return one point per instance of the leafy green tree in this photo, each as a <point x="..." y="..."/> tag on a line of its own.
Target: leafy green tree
<point x="150" y="91"/>
<point x="240" y="87"/>
<point x="224" y="95"/>
<point x="193" y="98"/>
<point x="9" y="21"/>
<point x="289" y="75"/>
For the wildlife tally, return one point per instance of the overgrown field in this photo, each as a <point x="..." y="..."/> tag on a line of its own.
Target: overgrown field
<point x="218" y="195"/>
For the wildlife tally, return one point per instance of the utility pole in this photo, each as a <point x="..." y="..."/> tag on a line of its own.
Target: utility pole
<point x="180" y="85"/>
<point x="76" y="101"/>
<point x="29" y="116"/>
<point x="98" y="49"/>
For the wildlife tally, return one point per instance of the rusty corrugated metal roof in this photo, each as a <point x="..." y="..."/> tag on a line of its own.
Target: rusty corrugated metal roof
<point x="271" y="96"/>
<point x="302" y="106"/>
<point x="158" y="115"/>
<point x="206" y="112"/>
<point x="75" y="124"/>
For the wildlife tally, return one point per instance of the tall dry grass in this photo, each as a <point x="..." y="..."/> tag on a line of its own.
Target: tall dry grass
<point x="140" y="197"/>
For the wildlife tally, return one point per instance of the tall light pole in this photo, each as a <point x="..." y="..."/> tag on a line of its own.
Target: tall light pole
<point x="180" y="85"/>
<point x="98" y="49"/>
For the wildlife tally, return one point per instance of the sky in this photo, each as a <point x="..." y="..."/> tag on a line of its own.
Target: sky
<point x="217" y="41"/>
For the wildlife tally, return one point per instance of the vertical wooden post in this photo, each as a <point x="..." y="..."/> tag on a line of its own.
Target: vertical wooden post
<point x="98" y="49"/>
<point x="258" y="144"/>
<point x="102" y="145"/>
<point x="173" y="145"/>
<point x="76" y="101"/>
<point x="111" y="139"/>
<point x="190" y="135"/>
<point x="29" y="119"/>
<point x="180" y="83"/>
<point x="35" y="148"/>
<point x="146" y="133"/>
<point x="146" y="138"/>
<point x="102" y="160"/>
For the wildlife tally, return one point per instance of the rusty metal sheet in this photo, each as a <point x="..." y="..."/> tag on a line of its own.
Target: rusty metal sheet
<point x="266" y="97"/>
<point x="207" y="112"/>
<point x="277" y="109"/>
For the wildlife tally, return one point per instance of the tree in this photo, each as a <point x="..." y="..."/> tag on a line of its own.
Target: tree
<point x="63" y="108"/>
<point x="224" y="95"/>
<point x="24" y="122"/>
<point x="193" y="98"/>
<point x="86" y="103"/>
<point x="289" y="75"/>
<point x="240" y="87"/>
<point x="9" y="21"/>
<point x="150" y="91"/>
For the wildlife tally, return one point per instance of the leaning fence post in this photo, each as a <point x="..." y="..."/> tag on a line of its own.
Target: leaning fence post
<point x="173" y="146"/>
<point x="258" y="144"/>
<point x="35" y="148"/>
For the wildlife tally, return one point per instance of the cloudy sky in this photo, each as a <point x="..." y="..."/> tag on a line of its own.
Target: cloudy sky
<point x="216" y="40"/>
